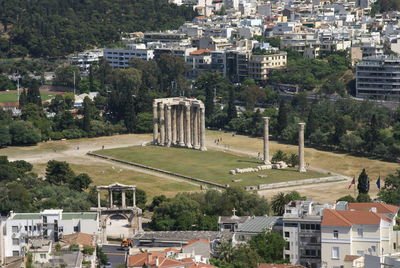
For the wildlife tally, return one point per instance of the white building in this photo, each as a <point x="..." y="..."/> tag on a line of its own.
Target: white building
<point x="85" y="59"/>
<point x="358" y="231"/>
<point x="50" y="224"/>
<point x="119" y="58"/>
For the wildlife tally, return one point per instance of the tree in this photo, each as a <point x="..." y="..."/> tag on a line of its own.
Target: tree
<point x="340" y="130"/>
<point x="279" y="156"/>
<point x="24" y="133"/>
<point x="282" y="118"/>
<point x="67" y="76"/>
<point x="59" y="172"/>
<point x="390" y="192"/>
<point x="23" y="98"/>
<point x="363" y="182"/>
<point x="269" y="246"/>
<point x="351" y="142"/>
<point x="5" y="138"/>
<point x="293" y="160"/>
<point x="6" y="84"/>
<point x="311" y="125"/>
<point x="372" y="134"/>
<point x="278" y="203"/>
<point x="347" y="198"/>
<point x="363" y="198"/>
<point x="80" y="182"/>
<point x="231" y="109"/>
<point x="88" y="113"/>
<point x="33" y="95"/>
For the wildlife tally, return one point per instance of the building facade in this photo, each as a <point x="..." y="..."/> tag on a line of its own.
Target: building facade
<point x="49" y="224"/>
<point x="260" y="65"/>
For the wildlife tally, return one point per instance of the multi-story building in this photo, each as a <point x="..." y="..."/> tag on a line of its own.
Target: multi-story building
<point x="261" y="64"/>
<point x="346" y="233"/>
<point x="302" y="232"/>
<point x="378" y="77"/>
<point x="119" y="58"/>
<point x="198" y="62"/>
<point x="298" y="41"/>
<point x="165" y="37"/>
<point x="85" y="59"/>
<point x="50" y="224"/>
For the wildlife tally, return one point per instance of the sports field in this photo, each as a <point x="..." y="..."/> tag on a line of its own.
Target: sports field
<point x="12" y="96"/>
<point x="211" y="165"/>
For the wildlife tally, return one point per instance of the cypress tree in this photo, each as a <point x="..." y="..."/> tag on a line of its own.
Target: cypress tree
<point x="87" y="114"/>
<point x="33" y="95"/>
<point x="363" y="182"/>
<point x="231" y="109"/>
<point x="23" y="98"/>
<point x="91" y="83"/>
<point x="311" y="125"/>
<point x="282" y="118"/>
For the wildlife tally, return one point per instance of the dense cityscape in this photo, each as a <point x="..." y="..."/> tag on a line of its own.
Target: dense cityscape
<point x="200" y="133"/>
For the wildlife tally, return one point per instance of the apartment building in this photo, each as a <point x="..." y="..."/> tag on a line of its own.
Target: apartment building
<point x="261" y="64"/>
<point x="198" y="61"/>
<point x="119" y="58"/>
<point x="85" y="59"/>
<point x="378" y="77"/>
<point x="298" y="41"/>
<point x="302" y="232"/>
<point x="346" y="233"/>
<point x="50" y="224"/>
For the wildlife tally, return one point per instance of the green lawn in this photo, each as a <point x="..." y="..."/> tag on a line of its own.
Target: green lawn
<point x="210" y="165"/>
<point x="12" y="96"/>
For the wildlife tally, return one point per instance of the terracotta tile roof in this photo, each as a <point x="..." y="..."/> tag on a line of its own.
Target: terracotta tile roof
<point x="146" y="258"/>
<point x="351" y="257"/>
<point x="197" y="240"/>
<point x="200" y="51"/>
<point x="202" y="265"/>
<point x="79" y="239"/>
<point x="380" y="207"/>
<point x="171" y="250"/>
<point x="273" y="265"/>
<point x="166" y="262"/>
<point x="348" y="218"/>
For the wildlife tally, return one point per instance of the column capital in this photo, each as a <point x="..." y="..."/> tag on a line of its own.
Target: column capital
<point x="266" y="119"/>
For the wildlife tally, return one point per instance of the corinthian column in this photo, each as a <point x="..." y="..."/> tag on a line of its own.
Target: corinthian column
<point x="202" y="129"/>
<point x="266" y="141"/>
<point x="155" y="123"/>
<point x="196" y="128"/>
<point x="188" y="130"/>
<point x="181" y="131"/>
<point x="301" y="148"/>
<point x="162" y="125"/>
<point x="169" y="132"/>
<point x="173" y="124"/>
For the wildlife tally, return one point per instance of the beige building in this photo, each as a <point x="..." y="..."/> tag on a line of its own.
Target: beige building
<point x="260" y="65"/>
<point x="366" y="228"/>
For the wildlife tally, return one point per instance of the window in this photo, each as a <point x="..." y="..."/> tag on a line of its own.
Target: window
<point x="360" y="252"/>
<point x="394" y="246"/>
<point x="15" y="253"/>
<point x="14" y="229"/>
<point x="43" y="256"/>
<point x="15" y="241"/>
<point x="373" y="248"/>
<point x="287" y="247"/>
<point x="335" y="253"/>
<point x="26" y="228"/>
<point x="360" y="232"/>
<point x="287" y="234"/>
<point x="335" y="234"/>
<point x="76" y="229"/>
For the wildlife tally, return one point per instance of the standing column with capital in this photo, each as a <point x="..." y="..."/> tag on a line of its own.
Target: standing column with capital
<point x="162" y="125"/>
<point x="301" y="148"/>
<point x="266" y="141"/>
<point x="98" y="199"/>
<point x="173" y="125"/>
<point x="181" y="131"/>
<point x="110" y="198"/>
<point x="168" y="123"/>
<point x="155" y="123"/>
<point x="196" y="128"/>
<point x="202" y="129"/>
<point x="134" y="197"/>
<point x="188" y="126"/>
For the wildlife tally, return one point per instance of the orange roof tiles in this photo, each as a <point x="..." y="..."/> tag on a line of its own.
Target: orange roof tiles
<point x="200" y="51"/>
<point x="380" y="207"/>
<point x="197" y="240"/>
<point x="348" y="218"/>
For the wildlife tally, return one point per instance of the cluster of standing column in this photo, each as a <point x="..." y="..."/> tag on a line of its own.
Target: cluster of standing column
<point x="301" y="144"/>
<point x="179" y="122"/>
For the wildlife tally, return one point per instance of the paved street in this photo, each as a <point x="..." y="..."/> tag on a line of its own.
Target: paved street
<point x="115" y="254"/>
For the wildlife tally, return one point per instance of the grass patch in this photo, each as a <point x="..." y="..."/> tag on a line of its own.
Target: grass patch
<point x="211" y="165"/>
<point x="12" y="96"/>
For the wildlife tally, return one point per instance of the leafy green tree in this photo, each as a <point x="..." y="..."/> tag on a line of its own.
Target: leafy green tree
<point x="59" y="172"/>
<point x="245" y="257"/>
<point x="80" y="182"/>
<point x="33" y="94"/>
<point x="363" y="198"/>
<point x="351" y="142"/>
<point x="363" y="182"/>
<point x="340" y="130"/>
<point x="347" y="198"/>
<point x="23" y="98"/>
<point x="293" y="160"/>
<point x="88" y="113"/>
<point x="6" y="84"/>
<point x="24" y="133"/>
<point x="269" y="246"/>
<point x="157" y="200"/>
<point x="231" y="107"/>
<point x="372" y="134"/>
<point x="390" y="192"/>
<point x="144" y="123"/>
<point x="64" y="76"/>
<point x="278" y="203"/>
<point x="311" y="125"/>
<point x="5" y="138"/>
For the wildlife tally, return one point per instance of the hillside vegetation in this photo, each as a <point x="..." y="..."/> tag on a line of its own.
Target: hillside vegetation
<point x="53" y="28"/>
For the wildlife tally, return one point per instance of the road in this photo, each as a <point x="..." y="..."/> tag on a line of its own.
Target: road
<point x="115" y="255"/>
